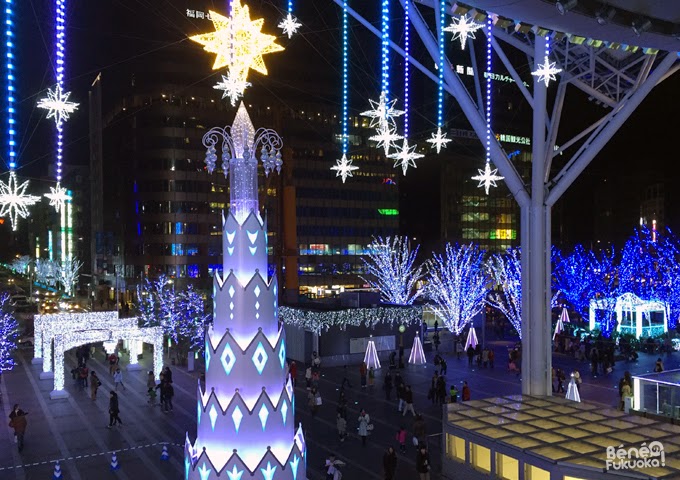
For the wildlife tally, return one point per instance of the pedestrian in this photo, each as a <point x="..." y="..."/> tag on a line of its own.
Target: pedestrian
<point x="560" y="380"/>
<point x="390" y="463"/>
<point x="401" y="439"/>
<point x="308" y="377"/>
<point x="453" y="393"/>
<point x="365" y="426"/>
<point x="478" y="354"/>
<point x="331" y="468"/>
<point x="458" y="347"/>
<point x="491" y="357"/>
<point x="118" y="379"/>
<point x="387" y="385"/>
<point x="485" y="357"/>
<point x="470" y="354"/>
<point x="114" y="410"/>
<point x="442" y="367"/>
<point x="151" y="387"/>
<point x="363" y="372"/>
<point x="594" y="359"/>
<point x="94" y="385"/>
<point x="466" y="391"/>
<point x="113" y="361"/>
<point x="577" y="379"/>
<point x="17" y="421"/>
<point x="167" y="374"/>
<point x="432" y="392"/>
<point x="441" y="390"/>
<point x="168" y="393"/>
<point x="316" y="361"/>
<point x="626" y="392"/>
<point x="293" y="373"/>
<point x="341" y="424"/>
<point x="627" y="378"/>
<point x="408" y="400"/>
<point x="313" y="401"/>
<point x="419" y="431"/>
<point x="423" y="463"/>
<point x="371" y="377"/>
<point x="83" y="373"/>
<point x="658" y="366"/>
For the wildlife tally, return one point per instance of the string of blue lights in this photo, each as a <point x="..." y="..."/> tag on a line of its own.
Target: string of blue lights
<point x="60" y="58"/>
<point x="489" y="25"/>
<point x="345" y="80"/>
<point x="385" y="24"/>
<point x="440" y="65"/>
<point x="9" y="44"/>
<point x="407" y="50"/>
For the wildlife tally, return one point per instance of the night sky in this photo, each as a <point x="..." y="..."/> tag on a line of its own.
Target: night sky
<point x="105" y="35"/>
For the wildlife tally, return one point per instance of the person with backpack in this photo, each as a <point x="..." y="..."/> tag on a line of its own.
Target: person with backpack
<point x="17" y="421"/>
<point x="114" y="410"/>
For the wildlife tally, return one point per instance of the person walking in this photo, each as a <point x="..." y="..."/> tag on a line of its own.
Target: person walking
<point x="17" y="421"/>
<point x="312" y="401"/>
<point x="82" y="375"/>
<point x="342" y="405"/>
<point x="113" y="361"/>
<point x="400" y="437"/>
<point x="423" y="463"/>
<point x="364" y="426"/>
<point x="401" y="393"/>
<point x="167" y="393"/>
<point x="114" y="410"/>
<point x="308" y="377"/>
<point x="453" y="393"/>
<point x="161" y="388"/>
<point x="408" y="399"/>
<point x="118" y="379"/>
<point x="470" y="355"/>
<point x="560" y="380"/>
<point x="387" y="385"/>
<point x="441" y="390"/>
<point x="419" y="430"/>
<point x="466" y="392"/>
<point x="442" y="367"/>
<point x="167" y="374"/>
<point x="390" y="463"/>
<point x="658" y="366"/>
<point x="94" y="385"/>
<point x="363" y="372"/>
<point x="371" y="377"/>
<point x="491" y="357"/>
<point x="293" y="373"/>
<point x="151" y="387"/>
<point x="341" y="424"/>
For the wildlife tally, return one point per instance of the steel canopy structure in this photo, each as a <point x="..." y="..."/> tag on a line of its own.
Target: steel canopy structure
<point x="611" y="72"/>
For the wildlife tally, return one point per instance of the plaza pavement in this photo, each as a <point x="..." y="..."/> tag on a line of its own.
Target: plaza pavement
<point x="74" y="430"/>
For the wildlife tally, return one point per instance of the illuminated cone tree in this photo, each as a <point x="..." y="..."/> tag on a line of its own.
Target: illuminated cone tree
<point x="246" y="415"/>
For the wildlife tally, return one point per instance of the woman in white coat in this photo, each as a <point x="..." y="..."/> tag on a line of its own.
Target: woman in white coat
<point x="364" y="426"/>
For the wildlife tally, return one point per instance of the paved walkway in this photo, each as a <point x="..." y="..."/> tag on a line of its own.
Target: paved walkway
<point x="74" y="430"/>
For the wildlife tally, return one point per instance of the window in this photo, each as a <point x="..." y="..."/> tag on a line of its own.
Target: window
<point x="455" y="447"/>
<point x="507" y="467"/>
<point x="532" y="472"/>
<point x="480" y="458"/>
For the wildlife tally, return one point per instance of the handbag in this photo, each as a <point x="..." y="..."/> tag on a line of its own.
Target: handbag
<point x="369" y="427"/>
<point x="319" y="401"/>
<point x="415" y="441"/>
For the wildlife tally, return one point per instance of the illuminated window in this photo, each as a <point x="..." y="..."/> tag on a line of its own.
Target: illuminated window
<point x="455" y="448"/>
<point x="503" y="234"/>
<point x="532" y="472"/>
<point x="319" y="249"/>
<point x="507" y="467"/>
<point x="480" y="457"/>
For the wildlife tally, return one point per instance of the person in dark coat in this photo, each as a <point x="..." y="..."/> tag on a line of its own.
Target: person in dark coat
<point x="387" y="385"/>
<point x="390" y="463"/>
<point x="114" y="410"/>
<point x="470" y="355"/>
<point x="167" y="374"/>
<point x="168" y="393"/>
<point x="17" y="421"/>
<point x="423" y="463"/>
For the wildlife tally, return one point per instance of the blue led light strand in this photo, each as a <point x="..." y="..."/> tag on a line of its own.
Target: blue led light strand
<point x="345" y="59"/>
<point x="440" y="71"/>
<point x="9" y="37"/>
<point x="290" y="6"/>
<point x="489" y="25"/>
<point x="385" y="84"/>
<point x="407" y="50"/>
<point x="60" y="57"/>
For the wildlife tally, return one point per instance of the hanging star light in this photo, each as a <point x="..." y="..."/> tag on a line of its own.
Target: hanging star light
<point x="58" y="196"/>
<point x="462" y="29"/>
<point x="14" y="201"/>
<point x="344" y="168"/>
<point x="546" y="71"/>
<point x="57" y="105"/>
<point x="487" y="177"/>
<point x="405" y="156"/>
<point x="386" y="136"/>
<point x="289" y="25"/>
<point x="232" y="87"/>
<point x="382" y="111"/>
<point x="438" y="140"/>
<point x="238" y="42"/>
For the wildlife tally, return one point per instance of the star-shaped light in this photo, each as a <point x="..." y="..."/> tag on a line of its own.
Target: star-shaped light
<point x="344" y="168"/>
<point x="289" y="25"/>
<point x="232" y="87"/>
<point x="487" y="177"/>
<point x="462" y="29"/>
<point x="238" y="42"/>
<point x="405" y="156"/>
<point x="14" y="201"/>
<point x="58" y="196"/>
<point x="235" y="473"/>
<point x="546" y="71"/>
<point x="382" y="111"/>
<point x="438" y="140"/>
<point x="57" y="105"/>
<point x="386" y="136"/>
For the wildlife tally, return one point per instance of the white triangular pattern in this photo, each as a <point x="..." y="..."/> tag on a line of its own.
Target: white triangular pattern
<point x="252" y="236"/>
<point x="230" y="237"/>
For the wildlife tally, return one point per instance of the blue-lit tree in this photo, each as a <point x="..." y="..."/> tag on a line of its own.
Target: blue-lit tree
<point x="192" y="319"/>
<point x="457" y="285"/>
<point x="9" y="334"/>
<point x="391" y="269"/>
<point x="20" y="265"/>
<point x="574" y="277"/>
<point x="605" y="288"/>
<point x="506" y="272"/>
<point x="156" y="303"/>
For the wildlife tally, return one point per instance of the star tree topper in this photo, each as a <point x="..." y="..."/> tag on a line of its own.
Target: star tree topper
<point x="238" y="42"/>
<point x="438" y="140"/>
<point x="405" y="156"/>
<point x="57" y="105"/>
<point x="289" y="25"/>
<point x="58" y="196"/>
<point x="546" y="71"/>
<point x="14" y="201"/>
<point x="462" y="29"/>
<point x="232" y="87"/>
<point x="487" y="177"/>
<point x="344" y="168"/>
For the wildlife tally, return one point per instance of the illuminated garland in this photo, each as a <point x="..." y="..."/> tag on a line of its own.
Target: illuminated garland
<point x="319" y="322"/>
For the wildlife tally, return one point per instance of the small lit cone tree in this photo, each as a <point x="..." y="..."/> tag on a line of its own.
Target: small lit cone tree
<point x="559" y="327"/>
<point x="20" y="265"/>
<point x="391" y="269"/>
<point x="417" y="356"/>
<point x="572" y="390"/>
<point x="371" y="356"/>
<point x="506" y="272"/>
<point x="9" y="334"/>
<point x="457" y="285"/>
<point x="471" y="338"/>
<point x="68" y="274"/>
